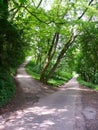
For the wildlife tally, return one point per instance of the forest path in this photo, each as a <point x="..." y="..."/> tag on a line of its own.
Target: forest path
<point x="71" y="108"/>
<point x="57" y="111"/>
<point x="28" y="91"/>
<point x="29" y="85"/>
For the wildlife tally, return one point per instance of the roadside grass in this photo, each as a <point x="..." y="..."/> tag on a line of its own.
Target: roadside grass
<point x="60" y="79"/>
<point x="55" y="81"/>
<point x="87" y="84"/>
<point x="32" y="73"/>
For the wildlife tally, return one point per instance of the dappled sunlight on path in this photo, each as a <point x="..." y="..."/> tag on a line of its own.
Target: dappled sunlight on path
<point x="27" y="83"/>
<point x="57" y="111"/>
<point x="28" y="91"/>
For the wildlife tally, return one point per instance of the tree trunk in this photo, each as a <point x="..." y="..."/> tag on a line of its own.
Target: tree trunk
<point x="1" y="49"/>
<point x="49" y="56"/>
<point x="63" y="51"/>
<point x="4" y="16"/>
<point x="5" y="5"/>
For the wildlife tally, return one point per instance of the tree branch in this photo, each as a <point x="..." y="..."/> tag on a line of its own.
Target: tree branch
<point x="16" y="12"/>
<point x="60" y="56"/>
<point x="50" y="55"/>
<point x="36" y="16"/>
<point x="85" y="10"/>
<point x="39" y="4"/>
<point x="33" y="3"/>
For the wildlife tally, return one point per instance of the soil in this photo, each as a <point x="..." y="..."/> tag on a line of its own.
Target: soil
<point x="90" y="100"/>
<point x="29" y="91"/>
<point x="22" y="99"/>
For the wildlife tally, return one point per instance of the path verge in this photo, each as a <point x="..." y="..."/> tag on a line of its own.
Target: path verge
<point x="28" y="90"/>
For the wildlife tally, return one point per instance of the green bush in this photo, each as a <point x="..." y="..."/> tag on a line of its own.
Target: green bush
<point x="87" y="84"/>
<point x="33" y="70"/>
<point x="55" y="80"/>
<point x="7" y="88"/>
<point x="96" y="78"/>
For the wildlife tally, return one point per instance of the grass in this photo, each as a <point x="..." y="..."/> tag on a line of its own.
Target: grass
<point x="55" y="81"/>
<point x="32" y="73"/>
<point x="60" y="80"/>
<point x="87" y="84"/>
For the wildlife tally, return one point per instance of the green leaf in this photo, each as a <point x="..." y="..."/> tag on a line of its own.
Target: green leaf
<point x="22" y="1"/>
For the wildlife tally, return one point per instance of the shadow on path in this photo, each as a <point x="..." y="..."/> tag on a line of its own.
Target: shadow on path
<point x="57" y="111"/>
<point x="71" y="108"/>
<point x="28" y="91"/>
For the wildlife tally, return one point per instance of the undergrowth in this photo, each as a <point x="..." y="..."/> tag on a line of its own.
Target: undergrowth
<point x="7" y="87"/>
<point x="55" y="80"/>
<point x="87" y="84"/>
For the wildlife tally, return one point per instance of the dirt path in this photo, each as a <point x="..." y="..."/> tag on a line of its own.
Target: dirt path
<point x="90" y="108"/>
<point x="30" y="87"/>
<point x="57" y="111"/>
<point x="73" y="107"/>
<point x="28" y="91"/>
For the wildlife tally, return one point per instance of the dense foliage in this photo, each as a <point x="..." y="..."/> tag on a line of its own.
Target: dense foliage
<point x="87" y="84"/>
<point x="7" y="87"/>
<point x="58" y="78"/>
<point x="12" y="53"/>
<point x="88" y="56"/>
<point x="60" y="35"/>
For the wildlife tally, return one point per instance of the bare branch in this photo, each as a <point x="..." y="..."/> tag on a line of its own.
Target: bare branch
<point x="15" y="8"/>
<point x="90" y="19"/>
<point x="12" y="9"/>
<point x="85" y="10"/>
<point x="16" y="12"/>
<point x="39" y="4"/>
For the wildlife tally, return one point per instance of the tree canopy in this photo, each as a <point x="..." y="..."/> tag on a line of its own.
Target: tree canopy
<point x="60" y="35"/>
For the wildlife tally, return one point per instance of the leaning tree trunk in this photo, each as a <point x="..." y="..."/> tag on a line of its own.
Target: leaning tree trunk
<point x="63" y="51"/>
<point x="49" y="56"/>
